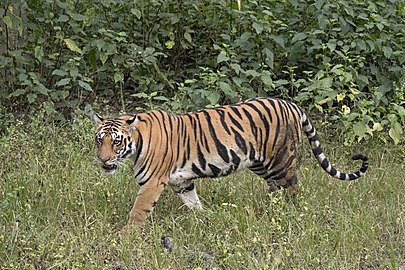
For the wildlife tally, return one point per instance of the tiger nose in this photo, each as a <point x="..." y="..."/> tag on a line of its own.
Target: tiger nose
<point x="103" y="158"/>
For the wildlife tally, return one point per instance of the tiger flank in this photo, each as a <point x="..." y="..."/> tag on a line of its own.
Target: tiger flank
<point x="262" y="134"/>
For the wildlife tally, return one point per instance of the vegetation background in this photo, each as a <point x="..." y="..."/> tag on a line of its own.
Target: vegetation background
<point x="342" y="60"/>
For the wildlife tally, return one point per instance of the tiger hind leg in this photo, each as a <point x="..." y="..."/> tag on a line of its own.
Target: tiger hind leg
<point x="287" y="180"/>
<point x="188" y="195"/>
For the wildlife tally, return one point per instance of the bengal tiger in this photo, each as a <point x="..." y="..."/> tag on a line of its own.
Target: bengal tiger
<point x="262" y="134"/>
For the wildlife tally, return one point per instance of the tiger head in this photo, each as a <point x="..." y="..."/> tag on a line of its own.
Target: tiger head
<point x="114" y="140"/>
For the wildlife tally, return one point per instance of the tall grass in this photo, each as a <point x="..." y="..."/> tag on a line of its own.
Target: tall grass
<point x="59" y="211"/>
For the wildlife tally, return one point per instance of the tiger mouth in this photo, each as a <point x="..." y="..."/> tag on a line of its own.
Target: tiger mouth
<point x="109" y="168"/>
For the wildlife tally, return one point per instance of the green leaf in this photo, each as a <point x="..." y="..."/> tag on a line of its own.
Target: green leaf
<point x="100" y="43"/>
<point x="170" y="44"/>
<point x="236" y="68"/>
<point x="331" y="44"/>
<point x="18" y="92"/>
<point x="7" y="20"/>
<point x="72" y="45"/>
<point x="279" y="40"/>
<point x="299" y="37"/>
<point x="280" y="82"/>
<point x="31" y="97"/>
<point x="340" y="97"/>
<point x="269" y="57"/>
<point x="118" y="77"/>
<point x="398" y="128"/>
<point x="88" y="110"/>
<point x="59" y="72"/>
<point x="213" y="97"/>
<point x="63" y="82"/>
<point x="226" y="89"/>
<point x="49" y="107"/>
<point x="85" y="86"/>
<point x="38" y="52"/>
<point x="252" y="73"/>
<point x="359" y="130"/>
<point x="188" y="37"/>
<point x="266" y="79"/>
<point x="387" y="51"/>
<point x="258" y="27"/>
<point x="222" y="57"/>
<point x="41" y="89"/>
<point x="137" y="13"/>
<point x="395" y="135"/>
<point x="63" y="18"/>
<point x="140" y="95"/>
<point x="103" y="57"/>
<point x="78" y="17"/>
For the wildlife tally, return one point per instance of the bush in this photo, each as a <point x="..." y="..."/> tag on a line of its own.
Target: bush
<point x="340" y="58"/>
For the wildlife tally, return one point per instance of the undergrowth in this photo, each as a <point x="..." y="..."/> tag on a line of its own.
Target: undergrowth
<point x="58" y="210"/>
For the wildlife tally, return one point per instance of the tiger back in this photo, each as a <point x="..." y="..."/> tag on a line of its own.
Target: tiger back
<point x="262" y="134"/>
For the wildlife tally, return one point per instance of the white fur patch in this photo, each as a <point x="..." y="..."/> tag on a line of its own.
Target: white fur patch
<point x="190" y="199"/>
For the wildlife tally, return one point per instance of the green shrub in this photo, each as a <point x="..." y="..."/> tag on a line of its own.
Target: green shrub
<point x="340" y="58"/>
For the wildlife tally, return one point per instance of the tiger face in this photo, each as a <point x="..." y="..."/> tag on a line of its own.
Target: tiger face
<point x="113" y="140"/>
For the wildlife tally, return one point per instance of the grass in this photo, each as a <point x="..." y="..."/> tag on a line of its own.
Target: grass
<point x="59" y="211"/>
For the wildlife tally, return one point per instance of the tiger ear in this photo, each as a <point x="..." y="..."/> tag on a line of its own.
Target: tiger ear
<point x="98" y="119"/>
<point x="130" y="122"/>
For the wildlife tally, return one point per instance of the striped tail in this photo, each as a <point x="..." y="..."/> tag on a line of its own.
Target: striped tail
<point x="323" y="161"/>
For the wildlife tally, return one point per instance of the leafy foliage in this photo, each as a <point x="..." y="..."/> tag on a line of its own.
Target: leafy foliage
<point x="340" y="58"/>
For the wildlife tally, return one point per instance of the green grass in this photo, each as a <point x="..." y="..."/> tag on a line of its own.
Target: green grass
<point x="59" y="211"/>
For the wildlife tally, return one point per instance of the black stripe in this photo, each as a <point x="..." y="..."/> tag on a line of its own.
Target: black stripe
<point x="317" y="151"/>
<point x="325" y="163"/>
<point x="201" y="158"/>
<point x="269" y="114"/>
<point x="214" y="169"/>
<point x="278" y="157"/>
<point x="240" y="142"/>
<point x="186" y="153"/>
<point x="144" y="182"/>
<point x="314" y="138"/>
<point x="223" y="122"/>
<point x="277" y="128"/>
<point x="266" y="125"/>
<point x="236" y="111"/>
<point x="281" y="173"/>
<point x="253" y="127"/>
<point x="197" y="171"/>
<point x="256" y="166"/>
<point x="188" y="188"/>
<point x="235" y="122"/>
<point x="221" y="149"/>
<point x="197" y="125"/>
<point x="235" y="159"/>
<point x="180" y="127"/>
<point x="252" y="152"/>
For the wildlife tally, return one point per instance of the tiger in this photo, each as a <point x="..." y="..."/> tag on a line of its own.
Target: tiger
<point x="261" y="134"/>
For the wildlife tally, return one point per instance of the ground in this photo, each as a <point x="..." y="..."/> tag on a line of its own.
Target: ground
<point x="58" y="210"/>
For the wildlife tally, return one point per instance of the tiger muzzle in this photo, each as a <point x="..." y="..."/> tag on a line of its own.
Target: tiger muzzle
<point x="109" y="167"/>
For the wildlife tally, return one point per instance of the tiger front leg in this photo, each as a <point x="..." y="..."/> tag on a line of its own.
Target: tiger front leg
<point x="145" y="202"/>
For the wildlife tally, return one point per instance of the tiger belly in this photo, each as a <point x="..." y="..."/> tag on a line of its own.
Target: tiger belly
<point x="215" y="167"/>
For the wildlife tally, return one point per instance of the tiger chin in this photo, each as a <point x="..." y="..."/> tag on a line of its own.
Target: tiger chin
<point x="260" y="134"/>
<point x="110" y="169"/>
